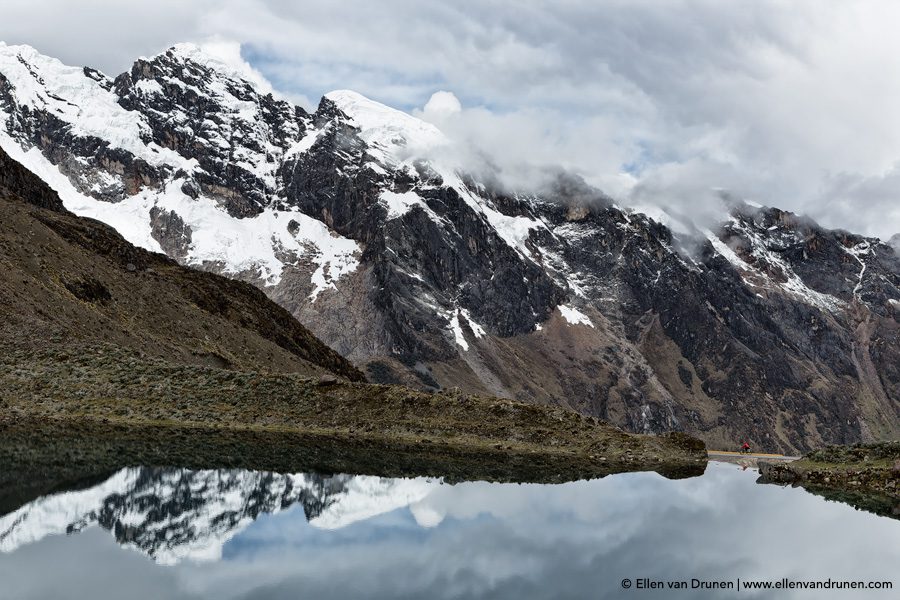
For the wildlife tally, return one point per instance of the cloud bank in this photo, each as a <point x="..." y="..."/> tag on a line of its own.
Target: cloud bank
<point x="786" y="104"/>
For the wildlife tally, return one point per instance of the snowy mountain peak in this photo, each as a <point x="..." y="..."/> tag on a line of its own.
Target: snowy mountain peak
<point x="76" y="100"/>
<point x="188" y="51"/>
<point x="27" y="53"/>
<point x="223" y="59"/>
<point x="387" y="128"/>
<point x="180" y="143"/>
<point x="40" y="80"/>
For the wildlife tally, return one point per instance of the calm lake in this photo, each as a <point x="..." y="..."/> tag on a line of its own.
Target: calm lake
<point x="175" y="533"/>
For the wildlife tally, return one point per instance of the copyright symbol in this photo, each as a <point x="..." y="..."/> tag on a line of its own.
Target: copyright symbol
<point x="626" y="583"/>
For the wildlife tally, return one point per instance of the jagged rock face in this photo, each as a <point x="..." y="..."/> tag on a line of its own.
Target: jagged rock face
<point x="770" y="328"/>
<point x="170" y="231"/>
<point x="235" y="134"/>
<point x="435" y="252"/>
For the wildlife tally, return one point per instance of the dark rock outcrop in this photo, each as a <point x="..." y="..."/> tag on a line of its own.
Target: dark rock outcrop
<point x="170" y="231"/>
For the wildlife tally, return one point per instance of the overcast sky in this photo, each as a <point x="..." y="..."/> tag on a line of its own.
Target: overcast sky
<point x="794" y="104"/>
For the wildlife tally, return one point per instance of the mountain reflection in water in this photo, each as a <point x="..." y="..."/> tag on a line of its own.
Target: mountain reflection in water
<point x="243" y="534"/>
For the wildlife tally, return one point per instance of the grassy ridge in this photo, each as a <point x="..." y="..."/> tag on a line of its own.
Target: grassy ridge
<point x="104" y="386"/>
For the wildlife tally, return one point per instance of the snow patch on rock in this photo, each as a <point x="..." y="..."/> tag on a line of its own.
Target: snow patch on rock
<point x="456" y="319"/>
<point x="725" y="251"/>
<point x="793" y="285"/>
<point x="514" y="230"/>
<point x="303" y="146"/>
<point x="477" y="329"/>
<point x="398" y="204"/>
<point x="573" y="316"/>
<point x="858" y="252"/>
<point x="458" y="334"/>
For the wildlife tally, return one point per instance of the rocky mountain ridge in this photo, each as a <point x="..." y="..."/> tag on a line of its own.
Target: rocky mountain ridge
<point x="769" y="328"/>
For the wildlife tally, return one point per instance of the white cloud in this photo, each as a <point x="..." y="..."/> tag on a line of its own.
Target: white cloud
<point x="791" y="104"/>
<point x="229" y="52"/>
<point x="441" y="105"/>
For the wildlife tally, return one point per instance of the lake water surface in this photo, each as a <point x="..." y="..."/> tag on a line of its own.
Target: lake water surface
<point x="177" y="533"/>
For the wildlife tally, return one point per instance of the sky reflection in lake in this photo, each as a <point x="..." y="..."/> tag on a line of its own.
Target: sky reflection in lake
<point x="376" y="538"/>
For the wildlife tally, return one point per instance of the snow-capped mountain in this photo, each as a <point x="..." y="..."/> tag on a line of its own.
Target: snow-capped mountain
<point x="173" y="515"/>
<point x="352" y="217"/>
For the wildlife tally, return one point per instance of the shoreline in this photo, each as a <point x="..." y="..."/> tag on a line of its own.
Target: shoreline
<point x="104" y="389"/>
<point x="40" y="456"/>
<point x="866" y="476"/>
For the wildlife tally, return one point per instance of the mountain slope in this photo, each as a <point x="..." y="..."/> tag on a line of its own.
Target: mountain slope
<point x="356" y="220"/>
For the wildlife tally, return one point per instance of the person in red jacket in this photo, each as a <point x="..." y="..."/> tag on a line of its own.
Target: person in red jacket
<point x="745" y="448"/>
